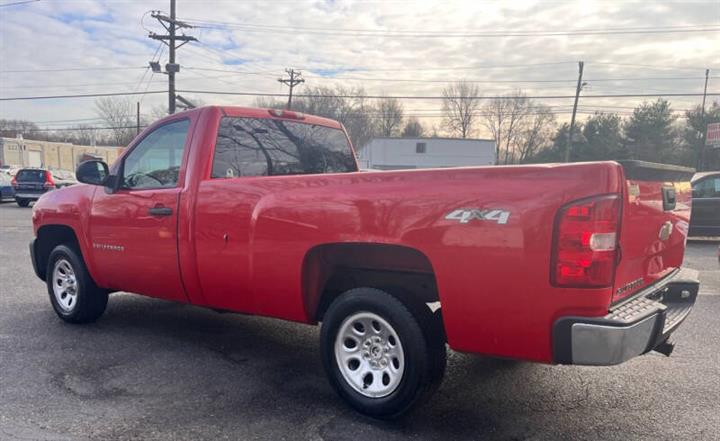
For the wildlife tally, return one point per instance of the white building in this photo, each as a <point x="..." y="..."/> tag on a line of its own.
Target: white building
<point x="404" y="153"/>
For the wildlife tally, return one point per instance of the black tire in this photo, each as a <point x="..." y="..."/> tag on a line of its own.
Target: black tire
<point x="88" y="301"/>
<point x="422" y="344"/>
<point x="22" y="202"/>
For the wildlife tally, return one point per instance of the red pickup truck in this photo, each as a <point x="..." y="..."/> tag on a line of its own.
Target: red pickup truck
<point x="265" y="212"/>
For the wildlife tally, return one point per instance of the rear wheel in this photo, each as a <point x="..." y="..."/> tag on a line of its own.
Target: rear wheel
<point x="73" y="294"/>
<point x="377" y="355"/>
<point x="22" y="202"/>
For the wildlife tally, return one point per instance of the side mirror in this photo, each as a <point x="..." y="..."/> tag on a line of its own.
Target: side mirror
<point x="92" y="172"/>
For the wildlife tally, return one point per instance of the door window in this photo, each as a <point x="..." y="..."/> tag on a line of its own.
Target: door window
<point x="707" y="188"/>
<point x="155" y="162"/>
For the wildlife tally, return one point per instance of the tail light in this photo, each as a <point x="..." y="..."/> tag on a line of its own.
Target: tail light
<point x="585" y="243"/>
<point x="13" y="182"/>
<point x="49" y="182"/>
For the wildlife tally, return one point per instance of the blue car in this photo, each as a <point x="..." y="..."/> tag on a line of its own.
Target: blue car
<point x="7" y="192"/>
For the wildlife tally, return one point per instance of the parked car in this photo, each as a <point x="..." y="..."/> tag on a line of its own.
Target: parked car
<point x="31" y="183"/>
<point x="9" y="171"/>
<point x="7" y="192"/>
<point x="265" y="212"/>
<point x="63" y="178"/>
<point x="705" y="219"/>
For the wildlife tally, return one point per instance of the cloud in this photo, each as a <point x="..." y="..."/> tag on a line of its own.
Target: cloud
<point x="256" y="40"/>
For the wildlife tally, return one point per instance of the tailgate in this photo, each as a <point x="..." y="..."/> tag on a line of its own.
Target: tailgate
<point x="655" y="221"/>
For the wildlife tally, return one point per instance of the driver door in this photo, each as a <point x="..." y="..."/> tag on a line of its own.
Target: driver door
<point x="134" y="230"/>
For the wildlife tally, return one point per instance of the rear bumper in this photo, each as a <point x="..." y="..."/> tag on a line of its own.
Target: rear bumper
<point x="34" y="196"/>
<point x="632" y="328"/>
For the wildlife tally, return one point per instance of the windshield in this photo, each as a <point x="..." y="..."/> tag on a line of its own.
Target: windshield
<point x="268" y="147"/>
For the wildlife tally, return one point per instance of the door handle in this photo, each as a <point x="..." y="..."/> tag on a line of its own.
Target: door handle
<point x="160" y="211"/>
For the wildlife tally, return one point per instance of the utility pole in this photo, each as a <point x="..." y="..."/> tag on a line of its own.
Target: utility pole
<point x="703" y="126"/>
<point x="579" y="87"/>
<point x="294" y="80"/>
<point x="137" y="129"/>
<point x="171" y="25"/>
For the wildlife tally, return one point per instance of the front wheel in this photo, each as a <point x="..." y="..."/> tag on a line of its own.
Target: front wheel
<point x="73" y="294"/>
<point x="376" y="354"/>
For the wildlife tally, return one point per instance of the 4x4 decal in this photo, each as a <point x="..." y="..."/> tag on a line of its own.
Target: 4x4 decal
<point x="465" y="215"/>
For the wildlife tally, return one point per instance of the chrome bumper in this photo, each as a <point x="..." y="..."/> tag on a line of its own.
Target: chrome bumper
<point x="634" y="327"/>
<point x="34" y="196"/>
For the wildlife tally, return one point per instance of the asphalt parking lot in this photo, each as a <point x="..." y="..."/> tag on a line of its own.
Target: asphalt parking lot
<point x="150" y="369"/>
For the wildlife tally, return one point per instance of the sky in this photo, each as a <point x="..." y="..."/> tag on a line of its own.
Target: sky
<point x="394" y="48"/>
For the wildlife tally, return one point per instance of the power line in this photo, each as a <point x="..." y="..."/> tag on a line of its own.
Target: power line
<point x="545" y="34"/>
<point x="72" y="86"/>
<point x="408" y="97"/>
<point x="70" y="69"/>
<point x="371" y="115"/>
<point x="85" y="95"/>
<point x="476" y="67"/>
<point x="413" y="80"/>
<point x="80" y="129"/>
<point x="439" y="97"/>
<point x="157" y="50"/>
<point x="444" y="34"/>
<point x="367" y="69"/>
<point x="234" y="72"/>
<point x="18" y="3"/>
<point x="651" y="66"/>
<point x="258" y="73"/>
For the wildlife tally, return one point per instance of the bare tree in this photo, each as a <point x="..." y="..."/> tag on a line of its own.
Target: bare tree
<point x="536" y="133"/>
<point x="390" y="116"/>
<point x="11" y="128"/>
<point x="345" y="105"/>
<point x="158" y="112"/>
<point x="505" y="117"/>
<point x="270" y="103"/>
<point x="87" y="134"/>
<point x="119" y="116"/>
<point x="413" y="129"/>
<point x="460" y="103"/>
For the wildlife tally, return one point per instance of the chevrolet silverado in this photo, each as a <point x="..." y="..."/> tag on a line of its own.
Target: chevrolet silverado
<point x="265" y="212"/>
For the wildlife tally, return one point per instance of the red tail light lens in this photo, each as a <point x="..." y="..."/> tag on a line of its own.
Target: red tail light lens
<point x="585" y="243"/>
<point x="13" y="182"/>
<point x="49" y="182"/>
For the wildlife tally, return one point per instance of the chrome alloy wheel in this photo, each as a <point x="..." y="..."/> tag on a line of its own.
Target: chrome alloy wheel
<point x="369" y="355"/>
<point x="65" y="285"/>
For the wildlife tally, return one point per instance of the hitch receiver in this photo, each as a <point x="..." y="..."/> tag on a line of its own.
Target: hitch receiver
<point x="665" y="348"/>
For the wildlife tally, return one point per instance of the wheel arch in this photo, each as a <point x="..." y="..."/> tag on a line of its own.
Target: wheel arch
<point x="48" y="237"/>
<point x="333" y="268"/>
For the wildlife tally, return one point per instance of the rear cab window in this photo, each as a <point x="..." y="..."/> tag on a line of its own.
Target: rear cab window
<point x="272" y="147"/>
<point x="30" y="176"/>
